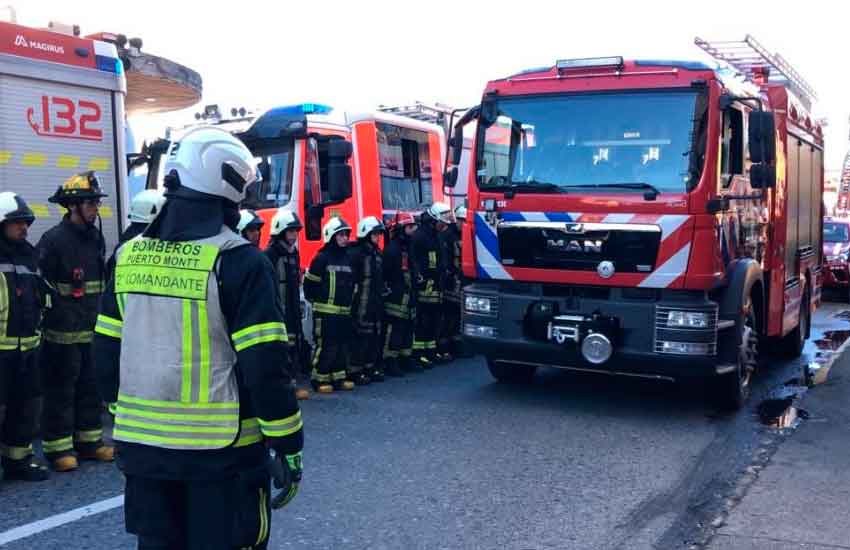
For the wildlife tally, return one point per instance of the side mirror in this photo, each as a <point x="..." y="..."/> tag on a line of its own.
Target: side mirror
<point x="456" y="145"/>
<point x="450" y="177"/>
<point x="339" y="149"/>
<point x="339" y="180"/>
<point x="762" y="136"/>
<point x="762" y="176"/>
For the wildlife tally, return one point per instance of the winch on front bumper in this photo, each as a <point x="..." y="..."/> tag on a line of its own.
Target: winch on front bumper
<point x="651" y="332"/>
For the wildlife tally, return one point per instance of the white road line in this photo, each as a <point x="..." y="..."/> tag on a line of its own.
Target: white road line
<point x="58" y="520"/>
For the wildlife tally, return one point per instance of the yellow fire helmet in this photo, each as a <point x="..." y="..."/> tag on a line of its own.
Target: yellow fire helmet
<point x="78" y="187"/>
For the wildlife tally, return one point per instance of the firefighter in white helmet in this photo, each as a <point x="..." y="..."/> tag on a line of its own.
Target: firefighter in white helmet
<point x="188" y="303"/>
<point x="249" y="226"/>
<point x="283" y="254"/>
<point x="430" y="265"/>
<point x="143" y="209"/>
<point x="24" y="296"/>
<point x="367" y="263"/>
<point x="329" y="285"/>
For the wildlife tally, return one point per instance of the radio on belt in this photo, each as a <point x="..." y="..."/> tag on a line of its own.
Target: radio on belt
<point x="594" y="335"/>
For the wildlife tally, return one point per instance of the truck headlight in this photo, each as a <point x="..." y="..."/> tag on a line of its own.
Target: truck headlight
<point x="479" y="331"/>
<point x="482" y="305"/>
<point x="687" y="319"/>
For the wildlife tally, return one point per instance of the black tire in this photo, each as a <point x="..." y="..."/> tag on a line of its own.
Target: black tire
<point x="793" y="342"/>
<point x="511" y="373"/>
<point x="733" y="389"/>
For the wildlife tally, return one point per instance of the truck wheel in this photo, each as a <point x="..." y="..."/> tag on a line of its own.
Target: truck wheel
<point x="733" y="388"/>
<point x="793" y="342"/>
<point x="511" y="374"/>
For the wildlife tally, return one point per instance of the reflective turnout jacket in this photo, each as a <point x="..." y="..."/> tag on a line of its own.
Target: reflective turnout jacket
<point x="23" y="296"/>
<point x="367" y="265"/>
<point x="329" y="283"/>
<point x="287" y="266"/>
<point x="399" y="274"/>
<point x="71" y="259"/>
<point x="201" y="370"/>
<point x="427" y="257"/>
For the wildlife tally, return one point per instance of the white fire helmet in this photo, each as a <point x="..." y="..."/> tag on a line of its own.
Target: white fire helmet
<point x="283" y="220"/>
<point x="460" y="212"/>
<point x="146" y="205"/>
<point x="367" y="225"/>
<point x="212" y="161"/>
<point x="441" y="212"/>
<point x="13" y="208"/>
<point x="335" y="225"/>
<point x="248" y="218"/>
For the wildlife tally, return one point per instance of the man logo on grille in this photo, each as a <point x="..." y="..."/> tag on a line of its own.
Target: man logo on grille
<point x="605" y="269"/>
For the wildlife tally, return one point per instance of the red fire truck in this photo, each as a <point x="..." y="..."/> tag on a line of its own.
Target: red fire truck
<point x="61" y="112"/>
<point x="654" y="218"/>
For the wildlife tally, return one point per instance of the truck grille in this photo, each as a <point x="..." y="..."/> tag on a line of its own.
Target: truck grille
<point x="633" y="248"/>
<point x="704" y="337"/>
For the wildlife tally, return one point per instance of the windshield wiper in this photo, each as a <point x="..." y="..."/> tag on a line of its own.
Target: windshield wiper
<point x="651" y="191"/>
<point x="532" y="186"/>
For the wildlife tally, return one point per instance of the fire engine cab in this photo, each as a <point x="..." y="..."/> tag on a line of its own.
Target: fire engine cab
<point x="646" y="218"/>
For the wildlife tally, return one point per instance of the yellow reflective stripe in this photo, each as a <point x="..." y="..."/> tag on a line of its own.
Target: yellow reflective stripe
<point x="177" y="416"/>
<point x="58" y="445"/>
<point x="264" y="520"/>
<point x="99" y="164"/>
<point x="108" y="326"/>
<point x="34" y="159"/>
<point x="283" y="427"/>
<point x="5" y="157"/>
<point x="331" y="309"/>
<point x="4" y="304"/>
<point x="121" y="300"/>
<point x="82" y="337"/>
<point x="124" y="435"/>
<point x="26" y="343"/>
<point x="332" y="287"/>
<point x="204" y="337"/>
<point x="257" y="328"/>
<point x="249" y="433"/>
<point x="68" y="162"/>
<point x="186" y="386"/>
<point x="432" y="260"/>
<point x="310" y="277"/>
<point x="88" y="436"/>
<point x="176" y="427"/>
<point x="261" y="340"/>
<point x="15" y="453"/>
<point x="174" y="404"/>
<point x="89" y="287"/>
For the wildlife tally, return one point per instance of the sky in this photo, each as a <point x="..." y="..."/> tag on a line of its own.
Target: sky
<point x="357" y="55"/>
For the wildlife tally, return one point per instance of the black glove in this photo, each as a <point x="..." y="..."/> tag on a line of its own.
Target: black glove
<point x="286" y="475"/>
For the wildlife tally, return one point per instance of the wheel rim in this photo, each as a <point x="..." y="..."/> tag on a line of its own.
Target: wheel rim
<point x="747" y="354"/>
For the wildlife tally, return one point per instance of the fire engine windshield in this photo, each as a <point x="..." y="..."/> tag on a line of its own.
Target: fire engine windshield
<point x="614" y="142"/>
<point x="275" y="188"/>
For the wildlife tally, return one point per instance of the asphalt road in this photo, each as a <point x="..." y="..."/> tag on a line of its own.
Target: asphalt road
<point x="450" y="459"/>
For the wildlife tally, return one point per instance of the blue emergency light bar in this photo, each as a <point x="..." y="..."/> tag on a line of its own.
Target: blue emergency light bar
<point x="589" y="63"/>
<point x="303" y="109"/>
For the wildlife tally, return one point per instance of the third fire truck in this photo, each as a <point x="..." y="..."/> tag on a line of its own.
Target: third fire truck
<point x="647" y="218"/>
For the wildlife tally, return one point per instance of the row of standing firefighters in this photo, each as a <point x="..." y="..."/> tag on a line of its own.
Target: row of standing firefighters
<point x="376" y="312"/>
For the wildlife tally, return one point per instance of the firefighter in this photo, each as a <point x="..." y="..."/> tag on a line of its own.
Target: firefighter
<point x="189" y="351"/>
<point x="367" y="265"/>
<point x="23" y="295"/>
<point x="143" y="209"/>
<point x="427" y="256"/>
<point x="71" y="258"/>
<point x="283" y="254"/>
<point x="249" y="226"/>
<point x="329" y="286"/>
<point x="399" y="297"/>
<point x="449" y="337"/>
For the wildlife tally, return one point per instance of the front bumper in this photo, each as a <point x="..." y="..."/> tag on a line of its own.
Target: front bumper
<point x="518" y="332"/>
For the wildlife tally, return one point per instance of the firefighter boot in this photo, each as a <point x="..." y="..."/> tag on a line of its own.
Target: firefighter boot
<point x="343" y="385"/>
<point x="27" y="469"/>
<point x="392" y="368"/>
<point x="425" y="362"/>
<point x="322" y="387"/>
<point x="65" y="463"/>
<point x="100" y="454"/>
<point x="302" y="394"/>
<point x="376" y="374"/>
